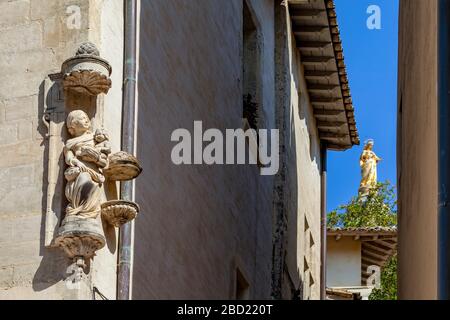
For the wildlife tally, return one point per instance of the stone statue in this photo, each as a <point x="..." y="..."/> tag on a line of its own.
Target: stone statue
<point x="90" y="163"/>
<point x="368" y="163"/>
<point x="86" y="153"/>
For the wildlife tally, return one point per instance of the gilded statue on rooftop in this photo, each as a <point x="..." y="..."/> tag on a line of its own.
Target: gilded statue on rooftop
<point x="368" y="163"/>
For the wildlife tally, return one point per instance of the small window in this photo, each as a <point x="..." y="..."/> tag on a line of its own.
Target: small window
<point x="250" y="68"/>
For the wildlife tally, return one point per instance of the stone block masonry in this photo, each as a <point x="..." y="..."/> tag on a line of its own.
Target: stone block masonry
<point x="35" y="39"/>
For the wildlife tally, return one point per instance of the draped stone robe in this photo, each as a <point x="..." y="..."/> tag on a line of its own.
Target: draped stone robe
<point x="84" y="179"/>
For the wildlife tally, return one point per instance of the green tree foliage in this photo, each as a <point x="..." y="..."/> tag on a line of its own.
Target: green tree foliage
<point x="388" y="289"/>
<point x="378" y="209"/>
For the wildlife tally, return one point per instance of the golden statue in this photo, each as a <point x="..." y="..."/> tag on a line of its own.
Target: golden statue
<point x="368" y="163"/>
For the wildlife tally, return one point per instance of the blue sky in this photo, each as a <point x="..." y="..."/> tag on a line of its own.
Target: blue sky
<point x="371" y="60"/>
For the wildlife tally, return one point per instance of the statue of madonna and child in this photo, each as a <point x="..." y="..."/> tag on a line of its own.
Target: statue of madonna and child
<point x="86" y="153"/>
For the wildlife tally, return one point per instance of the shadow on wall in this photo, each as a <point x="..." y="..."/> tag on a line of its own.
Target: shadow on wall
<point x="293" y="277"/>
<point x="53" y="265"/>
<point x="287" y="282"/>
<point x="293" y="263"/>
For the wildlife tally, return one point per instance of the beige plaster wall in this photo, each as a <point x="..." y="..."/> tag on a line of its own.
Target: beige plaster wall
<point x="302" y="146"/>
<point x="417" y="150"/>
<point x="343" y="262"/>
<point x="199" y="223"/>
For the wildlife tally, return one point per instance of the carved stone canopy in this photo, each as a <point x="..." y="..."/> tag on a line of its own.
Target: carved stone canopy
<point x="87" y="73"/>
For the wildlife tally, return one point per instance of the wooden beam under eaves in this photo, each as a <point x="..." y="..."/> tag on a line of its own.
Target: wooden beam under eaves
<point x="386" y="244"/>
<point x="330" y="124"/>
<point x="301" y="29"/>
<point x="331" y="135"/>
<point x="312" y="44"/>
<point x="381" y="237"/>
<point x="314" y="99"/>
<point x="299" y="12"/>
<point x="375" y="248"/>
<point x="374" y="255"/>
<point x="319" y="73"/>
<point x="320" y="86"/>
<point x="316" y="59"/>
<point x="371" y="260"/>
<point x="327" y="112"/>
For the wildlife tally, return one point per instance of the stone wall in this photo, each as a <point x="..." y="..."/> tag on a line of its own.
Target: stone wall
<point x="417" y="150"/>
<point x="36" y="37"/>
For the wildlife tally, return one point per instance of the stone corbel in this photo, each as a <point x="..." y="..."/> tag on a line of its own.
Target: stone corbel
<point x="122" y="167"/>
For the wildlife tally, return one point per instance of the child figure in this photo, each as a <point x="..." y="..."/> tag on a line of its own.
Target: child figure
<point x="103" y="146"/>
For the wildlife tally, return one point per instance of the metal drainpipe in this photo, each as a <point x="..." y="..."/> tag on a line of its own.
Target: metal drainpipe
<point x="444" y="150"/>
<point x="128" y="126"/>
<point x="323" y="221"/>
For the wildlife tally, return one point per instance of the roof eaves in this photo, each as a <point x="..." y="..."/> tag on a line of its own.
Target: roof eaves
<point x="340" y="63"/>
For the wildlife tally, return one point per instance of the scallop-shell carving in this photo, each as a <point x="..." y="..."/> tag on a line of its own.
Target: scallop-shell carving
<point x="119" y="212"/>
<point x="87" y="82"/>
<point x="80" y="245"/>
<point x="80" y="237"/>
